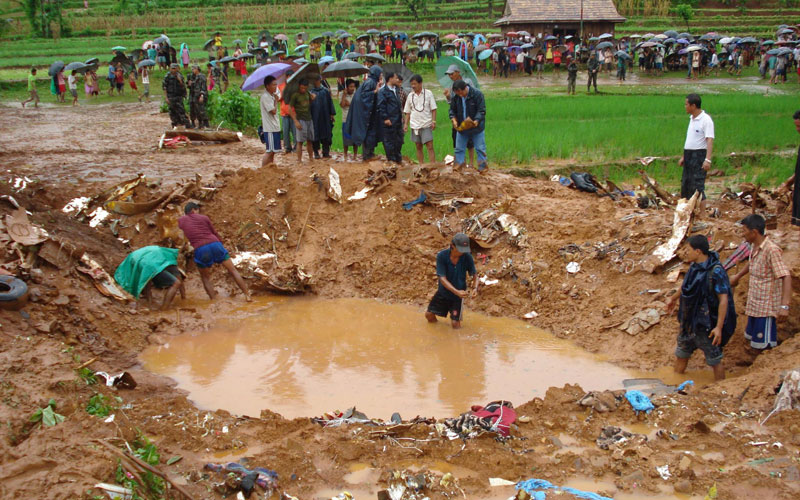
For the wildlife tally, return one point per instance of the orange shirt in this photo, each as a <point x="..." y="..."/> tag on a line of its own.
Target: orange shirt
<point x="284" y="107"/>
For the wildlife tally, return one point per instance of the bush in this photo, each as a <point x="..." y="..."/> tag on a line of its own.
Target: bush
<point x="235" y="109"/>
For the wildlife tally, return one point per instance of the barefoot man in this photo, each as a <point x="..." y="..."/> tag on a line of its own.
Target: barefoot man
<point x="208" y="249"/>
<point x="452" y="266"/>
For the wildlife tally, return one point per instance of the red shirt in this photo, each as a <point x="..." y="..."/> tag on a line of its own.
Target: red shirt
<point x="198" y="230"/>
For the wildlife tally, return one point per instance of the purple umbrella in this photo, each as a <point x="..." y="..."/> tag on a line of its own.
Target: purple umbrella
<point x="682" y="41"/>
<point x="256" y="79"/>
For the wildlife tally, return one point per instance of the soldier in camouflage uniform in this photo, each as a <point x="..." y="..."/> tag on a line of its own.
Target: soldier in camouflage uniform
<point x="192" y="110"/>
<point x="198" y="94"/>
<point x="175" y="90"/>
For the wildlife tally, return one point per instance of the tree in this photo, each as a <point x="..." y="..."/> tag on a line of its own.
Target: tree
<point x="43" y="16"/>
<point x="415" y="7"/>
<point x="685" y="12"/>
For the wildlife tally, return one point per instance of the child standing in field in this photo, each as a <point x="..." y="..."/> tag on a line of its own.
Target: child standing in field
<point x="146" y="83"/>
<point x="119" y="79"/>
<point x="73" y="87"/>
<point x="32" y="90"/>
<point x="132" y="83"/>
<point x="61" y="87"/>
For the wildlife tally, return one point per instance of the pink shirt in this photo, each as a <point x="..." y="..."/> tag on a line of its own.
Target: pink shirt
<point x="198" y="230"/>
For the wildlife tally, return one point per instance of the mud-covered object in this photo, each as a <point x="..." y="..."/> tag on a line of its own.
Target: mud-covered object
<point x="13" y="293"/>
<point x="584" y="182"/>
<point x="496" y="417"/>
<point x="789" y="394"/>
<point x="613" y="437"/>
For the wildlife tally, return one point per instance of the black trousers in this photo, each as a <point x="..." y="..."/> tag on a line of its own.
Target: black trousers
<point x="326" y="146"/>
<point x="592" y="79"/>
<point x="393" y="143"/>
<point x="693" y="177"/>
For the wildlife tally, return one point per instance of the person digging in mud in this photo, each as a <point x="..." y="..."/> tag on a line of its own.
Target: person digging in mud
<point x="175" y="90"/>
<point x="208" y="249"/>
<point x="452" y="266"/>
<point x="704" y="305"/>
<point x="770" y="289"/>
<point x="149" y="267"/>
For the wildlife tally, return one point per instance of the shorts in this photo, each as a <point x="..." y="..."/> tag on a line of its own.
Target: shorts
<point x="659" y="65"/>
<point x="687" y="343"/>
<point x="272" y="141"/>
<point x="146" y="89"/>
<point x="557" y="65"/>
<point x="772" y="72"/>
<point x="167" y="277"/>
<point x="693" y="177"/>
<point x="61" y="89"/>
<point x="210" y="254"/>
<point x="539" y="67"/>
<point x="347" y="141"/>
<point x="34" y="94"/>
<point x="422" y="136"/>
<point x="305" y="134"/>
<point x="161" y="59"/>
<point x="761" y="332"/>
<point x="120" y="86"/>
<point x="74" y="92"/>
<point x="133" y="85"/>
<point x="443" y="304"/>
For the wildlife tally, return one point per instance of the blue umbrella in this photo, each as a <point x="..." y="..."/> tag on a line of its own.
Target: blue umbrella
<point x="682" y="41"/>
<point x="486" y="54"/>
<point x="256" y="79"/>
<point x="326" y="59"/>
<point x="300" y="48"/>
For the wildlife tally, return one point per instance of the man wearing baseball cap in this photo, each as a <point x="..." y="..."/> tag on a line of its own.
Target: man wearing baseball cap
<point x="452" y="266"/>
<point x="454" y="72"/>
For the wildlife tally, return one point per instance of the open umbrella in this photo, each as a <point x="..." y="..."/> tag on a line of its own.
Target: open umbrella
<point x="451" y="36"/>
<point x="137" y="53"/>
<point x="648" y="35"/>
<point x="317" y="38"/>
<point x="55" y="68"/>
<point x="424" y="34"/>
<point x="328" y="33"/>
<point x="353" y="55"/>
<point x="773" y="52"/>
<point x="372" y="31"/>
<point x="511" y="34"/>
<point x="694" y="48"/>
<point x="605" y="45"/>
<point x="605" y="36"/>
<point x="622" y="54"/>
<point x="768" y="42"/>
<point x="209" y="43"/>
<point x="786" y="31"/>
<point x="305" y="71"/>
<point x="340" y="31"/>
<point x="668" y="41"/>
<point x="300" y="48"/>
<point x="726" y="40"/>
<point x="550" y="37"/>
<point x="401" y="70"/>
<point x="467" y="73"/>
<point x="660" y="37"/>
<point x="162" y="40"/>
<point x="494" y="35"/>
<point x="499" y="45"/>
<point x="147" y="44"/>
<point x="401" y="35"/>
<point x="303" y="36"/>
<point x="485" y="54"/>
<point x="682" y="41"/>
<point x="279" y="53"/>
<point x="748" y="39"/>
<point x="671" y="34"/>
<point x="227" y="59"/>
<point x="245" y="55"/>
<point x="523" y="33"/>
<point x="446" y="46"/>
<point x="636" y="36"/>
<point x="481" y="48"/>
<point x="264" y="34"/>
<point x="75" y="66"/>
<point x="375" y="56"/>
<point x="145" y="62"/>
<point x="122" y="59"/>
<point x="344" y="35"/>
<point x="526" y="46"/>
<point x="344" y="69"/>
<point x="782" y="26"/>
<point x="363" y="37"/>
<point x="256" y="78"/>
<point x="386" y="33"/>
<point x="119" y="48"/>
<point x="707" y="37"/>
<point x="237" y="41"/>
<point x="685" y="35"/>
<point x="300" y="60"/>
<point x="91" y="61"/>
<point x="281" y="36"/>
<point x="594" y="39"/>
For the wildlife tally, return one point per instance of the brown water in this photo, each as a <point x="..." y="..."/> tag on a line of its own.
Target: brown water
<point x="304" y="357"/>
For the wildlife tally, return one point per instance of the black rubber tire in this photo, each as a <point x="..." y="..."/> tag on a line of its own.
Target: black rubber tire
<point x="13" y="293"/>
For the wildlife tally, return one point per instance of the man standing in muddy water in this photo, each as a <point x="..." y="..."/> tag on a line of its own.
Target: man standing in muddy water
<point x="452" y="266"/>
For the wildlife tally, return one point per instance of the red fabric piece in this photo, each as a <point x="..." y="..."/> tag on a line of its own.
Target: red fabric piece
<point x="500" y="413"/>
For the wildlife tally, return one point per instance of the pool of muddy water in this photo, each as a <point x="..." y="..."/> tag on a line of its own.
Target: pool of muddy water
<point x="305" y="357"/>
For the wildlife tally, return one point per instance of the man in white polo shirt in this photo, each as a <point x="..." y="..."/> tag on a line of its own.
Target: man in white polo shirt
<point x="697" y="150"/>
<point x="420" y="114"/>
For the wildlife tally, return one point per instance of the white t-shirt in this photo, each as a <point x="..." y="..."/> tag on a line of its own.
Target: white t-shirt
<point x="72" y="82"/>
<point x="700" y="129"/>
<point x="270" y="122"/>
<point x="146" y="77"/>
<point x="520" y="58"/>
<point x="421" y="109"/>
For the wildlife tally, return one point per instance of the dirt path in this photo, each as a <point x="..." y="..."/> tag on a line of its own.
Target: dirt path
<point x="355" y="249"/>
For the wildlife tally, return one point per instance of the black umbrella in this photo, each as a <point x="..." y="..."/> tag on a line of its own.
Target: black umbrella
<point x="91" y="61"/>
<point x="237" y="41"/>
<point x="227" y="59"/>
<point x="318" y="38"/>
<point x="146" y="62"/>
<point x="75" y="66"/>
<point x="344" y="35"/>
<point x="353" y="55"/>
<point x="328" y="33"/>
<point x="362" y="37"/>
<point x="55" y="68"/>
<point x="605" y="45"/>
<point x="344" y="69"/>
<point x="137" y="53"/>
<point x="208" y="44"/>
<point x="245" y="55"/>
<point x="386" y="33"/>
<point x="292" y="83"/>
<point x="372" y="31"/>
<point x="340" y="31"/>
<point x="375" y="56"/>
<point x="401" y="70"/>
<point x="265" y="34"/>
<point x="120" y="58"/>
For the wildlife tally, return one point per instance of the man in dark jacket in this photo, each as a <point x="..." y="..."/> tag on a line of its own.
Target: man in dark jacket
<point x="390" y="111"/>
<point x="468" y="114"/>
<point x="323" y="115"/>
<point x="362" y="123"/>
<point x="175" y="91"/>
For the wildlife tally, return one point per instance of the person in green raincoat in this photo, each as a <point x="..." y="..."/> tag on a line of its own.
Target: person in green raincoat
<point x="149" y="267"/>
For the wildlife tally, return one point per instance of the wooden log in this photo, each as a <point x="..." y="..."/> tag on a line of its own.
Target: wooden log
<point x="652" y="184"/>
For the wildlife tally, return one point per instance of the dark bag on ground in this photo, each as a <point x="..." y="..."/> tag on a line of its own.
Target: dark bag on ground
<point x="584" y="181"/>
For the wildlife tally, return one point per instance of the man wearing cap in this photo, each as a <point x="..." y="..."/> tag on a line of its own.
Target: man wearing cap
<point x="455" y="75"/>
<point x="208" y="249"/>
<point x="175" y="90"/>
<point x="198" y="95"/>
<point x="452" y="266"/>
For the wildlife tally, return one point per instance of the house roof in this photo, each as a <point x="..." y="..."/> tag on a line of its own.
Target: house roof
<point x="545" y="11"/>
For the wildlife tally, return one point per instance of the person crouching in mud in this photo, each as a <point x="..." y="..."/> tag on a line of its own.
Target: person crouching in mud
<point x="452" y="266"/>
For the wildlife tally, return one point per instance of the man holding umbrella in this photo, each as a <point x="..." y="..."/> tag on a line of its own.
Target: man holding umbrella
<point x="175" y="90"/>
<point x="455" y="75"/>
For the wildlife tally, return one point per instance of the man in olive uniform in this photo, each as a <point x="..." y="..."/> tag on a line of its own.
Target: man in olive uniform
<point x="198" y="95"/>
<point x="175" y="90"/>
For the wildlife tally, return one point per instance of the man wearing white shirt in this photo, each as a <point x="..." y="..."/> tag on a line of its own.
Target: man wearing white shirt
<point x="270" y="120"/>
<point x="697" y="150"/>
<point x="420" y="113"/>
